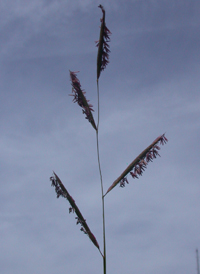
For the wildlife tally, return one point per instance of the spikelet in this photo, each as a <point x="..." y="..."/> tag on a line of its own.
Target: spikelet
<point x="79" y="97"/>
<point x="137" y="167"/>
<point x="62" y="191"/>
<point x="102" y="44"/>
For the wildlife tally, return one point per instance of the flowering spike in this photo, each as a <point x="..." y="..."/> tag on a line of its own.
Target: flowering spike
<point x="62" y="191"/>
<point x="80" y="98"/>
<point x="140" y="163"/>
<point x="102" y="44"/>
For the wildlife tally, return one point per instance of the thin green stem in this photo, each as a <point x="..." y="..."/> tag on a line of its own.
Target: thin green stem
<point x="102" y="196"/>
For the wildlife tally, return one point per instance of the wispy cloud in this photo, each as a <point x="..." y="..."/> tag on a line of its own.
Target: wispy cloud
<point x="21" y="20"/>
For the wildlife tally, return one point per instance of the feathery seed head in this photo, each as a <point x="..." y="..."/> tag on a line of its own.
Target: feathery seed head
<point x="62" y="191"/>
<point x="137" y="167"/>
<point x="79" y="97"/>
<point x="102" y="44"/>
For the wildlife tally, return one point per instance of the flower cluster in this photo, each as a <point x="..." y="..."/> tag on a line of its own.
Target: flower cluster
<point x="79" y="97"/>
<point x="142" y="164"/>
<point x="62" y="191"/>
<point x="58" y="188"/>
<point x="102" y="44"/>
<point x="81" y="222"/>
<point x="137" y="167"/>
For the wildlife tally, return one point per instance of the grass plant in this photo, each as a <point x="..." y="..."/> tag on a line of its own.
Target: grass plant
<point x="136" y="167"/>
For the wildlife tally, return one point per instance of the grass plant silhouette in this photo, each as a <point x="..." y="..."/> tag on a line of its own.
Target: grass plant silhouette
<point x="136" y="167"/>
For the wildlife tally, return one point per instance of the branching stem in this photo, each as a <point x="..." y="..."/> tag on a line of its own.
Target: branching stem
<point x="102" y="195"/>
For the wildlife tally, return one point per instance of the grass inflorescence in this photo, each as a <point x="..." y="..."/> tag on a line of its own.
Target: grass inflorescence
<point x="136" y="167"/>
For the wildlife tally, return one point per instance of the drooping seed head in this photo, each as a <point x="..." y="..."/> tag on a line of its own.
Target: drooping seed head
<point x="79" y="97"/>
<point x="62" y="191"/>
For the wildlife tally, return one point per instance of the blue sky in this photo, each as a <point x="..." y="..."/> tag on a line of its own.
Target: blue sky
<point x="150" y="87"/>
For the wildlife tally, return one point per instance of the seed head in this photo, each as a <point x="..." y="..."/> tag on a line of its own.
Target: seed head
<point x="62" y="191"/>
<point x="79" y="97"/>
<point x="102" y="44"/>
<point x="137" y="167"/>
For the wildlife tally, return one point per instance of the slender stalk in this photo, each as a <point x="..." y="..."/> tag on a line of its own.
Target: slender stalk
<point x="102" y="196"/>
<point x="197" y="261"/>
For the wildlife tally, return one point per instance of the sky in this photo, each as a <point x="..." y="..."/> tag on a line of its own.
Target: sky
<point x="150" y="87"/>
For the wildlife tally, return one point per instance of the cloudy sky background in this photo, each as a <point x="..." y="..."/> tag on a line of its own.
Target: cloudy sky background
<point x="150" y="87"/>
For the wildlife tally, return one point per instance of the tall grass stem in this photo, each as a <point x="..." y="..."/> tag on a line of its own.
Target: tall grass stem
<point x="102" y="195"/>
